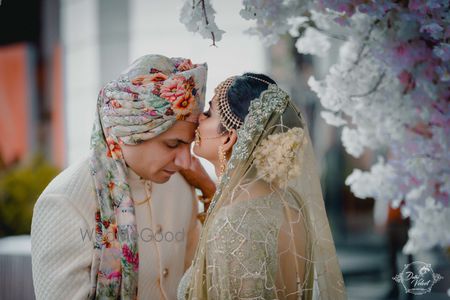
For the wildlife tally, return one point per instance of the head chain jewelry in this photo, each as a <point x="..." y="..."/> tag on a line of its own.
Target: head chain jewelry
<point x="259" y="79"/>
<point x="228" y="119"/>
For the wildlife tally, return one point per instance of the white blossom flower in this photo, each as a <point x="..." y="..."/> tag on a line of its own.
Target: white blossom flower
<point x="313" y="42"/>
<point x="295" y="23"/>
<point x="367" y="184"/>
<point x="332" y="119"/>
<point x="350" y="140"/>
<point x="430" y="227"/>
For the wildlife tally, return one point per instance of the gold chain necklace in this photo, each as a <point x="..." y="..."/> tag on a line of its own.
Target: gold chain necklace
<point x="148" y="196"/>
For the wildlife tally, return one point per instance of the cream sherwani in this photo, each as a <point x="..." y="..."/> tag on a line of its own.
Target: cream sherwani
<point x="63" y="227"/>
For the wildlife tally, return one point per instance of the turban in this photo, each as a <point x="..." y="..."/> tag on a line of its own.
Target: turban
<point x="151" y="95"/>
<point x="146" y="100"/>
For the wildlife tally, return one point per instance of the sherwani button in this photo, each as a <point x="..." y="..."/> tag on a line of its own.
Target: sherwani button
<point x="165" y="272"/>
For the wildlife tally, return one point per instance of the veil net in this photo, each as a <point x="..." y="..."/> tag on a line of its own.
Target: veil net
<point x="267" y="235"/>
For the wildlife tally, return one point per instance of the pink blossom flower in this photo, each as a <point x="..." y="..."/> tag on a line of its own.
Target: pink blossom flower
<point x="407" y="80"/>
<point x="405" y="55"/>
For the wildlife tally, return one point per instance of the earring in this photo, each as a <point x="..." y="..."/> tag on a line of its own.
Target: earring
<point x="197" y="137"/>
<point x="222" y="161"/>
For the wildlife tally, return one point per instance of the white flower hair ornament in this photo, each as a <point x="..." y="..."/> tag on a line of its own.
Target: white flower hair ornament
<point x="276" y="157"/>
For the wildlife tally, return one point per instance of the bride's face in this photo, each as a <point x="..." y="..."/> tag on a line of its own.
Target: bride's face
<point x="210" y="136"/>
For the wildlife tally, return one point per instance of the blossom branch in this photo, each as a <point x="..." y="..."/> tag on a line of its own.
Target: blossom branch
<point x="207" y="22"/>
<point x="372" y="90"/>
<point x="198" y="17"/>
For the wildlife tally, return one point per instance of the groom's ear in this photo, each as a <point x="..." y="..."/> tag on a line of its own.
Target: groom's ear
<point x="230" y="141"/>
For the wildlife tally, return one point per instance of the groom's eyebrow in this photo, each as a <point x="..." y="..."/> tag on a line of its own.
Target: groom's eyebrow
<point x="180" y="141"/>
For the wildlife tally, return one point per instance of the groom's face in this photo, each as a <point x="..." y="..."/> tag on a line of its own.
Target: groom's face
<point x="162" y="156"/>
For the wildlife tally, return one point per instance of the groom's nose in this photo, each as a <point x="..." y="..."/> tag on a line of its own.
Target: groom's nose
<point x="183" y="157"/>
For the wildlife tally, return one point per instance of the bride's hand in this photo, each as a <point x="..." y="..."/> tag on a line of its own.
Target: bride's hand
<point x="197" y="176"/>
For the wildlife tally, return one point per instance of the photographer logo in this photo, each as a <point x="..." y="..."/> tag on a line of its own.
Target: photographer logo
<point x="417" y="278"/>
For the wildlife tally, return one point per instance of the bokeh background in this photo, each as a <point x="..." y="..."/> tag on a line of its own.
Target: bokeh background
<point x="55" y="55"/>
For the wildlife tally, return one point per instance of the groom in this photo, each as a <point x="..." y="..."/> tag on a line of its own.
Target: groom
<point x="122" y="223"/>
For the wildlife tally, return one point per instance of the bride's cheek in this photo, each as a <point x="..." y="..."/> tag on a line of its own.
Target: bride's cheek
<point x="212" y="149"/>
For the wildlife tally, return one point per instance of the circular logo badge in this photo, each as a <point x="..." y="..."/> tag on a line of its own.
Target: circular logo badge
<point x="417" y="278"/>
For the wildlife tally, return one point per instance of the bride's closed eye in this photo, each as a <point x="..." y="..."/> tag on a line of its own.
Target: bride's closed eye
<point x="207" y="113"/>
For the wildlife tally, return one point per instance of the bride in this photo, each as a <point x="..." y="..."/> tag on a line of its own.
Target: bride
<point x="266" y="234"/>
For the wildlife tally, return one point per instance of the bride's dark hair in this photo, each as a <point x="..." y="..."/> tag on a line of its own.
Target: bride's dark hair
<point x="243" y="90"/>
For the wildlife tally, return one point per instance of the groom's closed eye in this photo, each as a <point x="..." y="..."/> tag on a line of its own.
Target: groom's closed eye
<point x="174" y="143"/>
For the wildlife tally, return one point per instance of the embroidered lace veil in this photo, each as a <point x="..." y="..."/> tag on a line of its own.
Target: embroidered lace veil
<point x="267" y="234"/>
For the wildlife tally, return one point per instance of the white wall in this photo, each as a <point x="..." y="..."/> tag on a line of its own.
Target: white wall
<point x="79" y="37"/>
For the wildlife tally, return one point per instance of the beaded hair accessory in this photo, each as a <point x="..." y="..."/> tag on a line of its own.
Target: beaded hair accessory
<point x="227" y="118"/>
<point x="259" y="79"/>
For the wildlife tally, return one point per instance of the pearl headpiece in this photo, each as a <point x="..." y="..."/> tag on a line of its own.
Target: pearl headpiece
<point x="227" y="118"/>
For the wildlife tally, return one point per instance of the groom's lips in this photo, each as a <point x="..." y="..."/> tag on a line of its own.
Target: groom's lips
<point x="170" y="172"/>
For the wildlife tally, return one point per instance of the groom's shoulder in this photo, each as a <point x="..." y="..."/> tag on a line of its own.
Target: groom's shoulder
<point x="73" y="179"/>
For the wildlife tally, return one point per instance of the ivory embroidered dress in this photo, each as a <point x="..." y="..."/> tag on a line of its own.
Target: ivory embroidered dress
<point x="266" y="235"/>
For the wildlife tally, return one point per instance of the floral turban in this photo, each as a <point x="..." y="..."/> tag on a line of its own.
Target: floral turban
<point x="151" y="95"/>
<point x="146" y="100"/>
